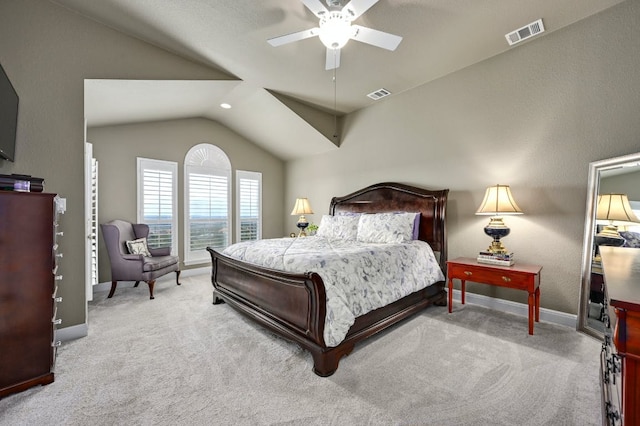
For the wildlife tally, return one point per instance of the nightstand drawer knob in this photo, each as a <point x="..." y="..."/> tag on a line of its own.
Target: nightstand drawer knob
<point x="506" y="279"/>
<point x="468" y="273"/>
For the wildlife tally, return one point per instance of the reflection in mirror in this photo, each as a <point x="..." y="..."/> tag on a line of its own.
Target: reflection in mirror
<point x="619" y="175"/>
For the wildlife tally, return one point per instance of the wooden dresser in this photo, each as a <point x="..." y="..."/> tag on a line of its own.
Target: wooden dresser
<point x="28" y="289"/>
<point x="620" y="361"/>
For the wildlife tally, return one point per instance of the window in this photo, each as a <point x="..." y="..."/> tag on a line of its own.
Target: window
<point x="249" y="205"/>
<point x="157" y="201"/>
<point x="207" y="201"/>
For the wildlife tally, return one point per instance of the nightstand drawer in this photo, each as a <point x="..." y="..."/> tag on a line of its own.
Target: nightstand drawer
<point x="498" y="276"/>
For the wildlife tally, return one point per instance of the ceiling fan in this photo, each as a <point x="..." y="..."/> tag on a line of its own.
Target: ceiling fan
<point x="335" y="29"/>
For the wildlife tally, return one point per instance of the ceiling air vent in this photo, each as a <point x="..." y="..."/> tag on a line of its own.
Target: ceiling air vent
<point x="379" y="94"/>
<point x="525" y="32"/>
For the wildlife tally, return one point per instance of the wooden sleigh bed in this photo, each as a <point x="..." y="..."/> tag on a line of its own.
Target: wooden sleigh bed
<point x="294" y="305"/>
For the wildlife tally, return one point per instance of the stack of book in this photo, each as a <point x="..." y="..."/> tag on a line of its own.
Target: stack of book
<point x="503" y="259"/>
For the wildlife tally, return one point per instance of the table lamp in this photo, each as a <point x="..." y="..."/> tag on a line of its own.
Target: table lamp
<point x="497" y="202"/>
<point x="301" y="208"/>
<point x="612" y="211"/>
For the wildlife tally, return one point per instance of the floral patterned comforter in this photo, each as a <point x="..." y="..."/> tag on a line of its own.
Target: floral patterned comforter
<point x="358" y="277"/>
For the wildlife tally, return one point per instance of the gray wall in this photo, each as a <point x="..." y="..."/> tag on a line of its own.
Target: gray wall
<point x="533" y="118"/>
<point x="628" y="183"/>
<point x="47" y="53"/>
<point x="116" y="149"/>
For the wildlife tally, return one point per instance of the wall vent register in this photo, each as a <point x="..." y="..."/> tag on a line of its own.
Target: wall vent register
<point x="528" y="31"/>
<point x="379" y="94"/>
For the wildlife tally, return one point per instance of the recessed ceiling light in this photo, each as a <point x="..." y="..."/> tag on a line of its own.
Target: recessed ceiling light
<point x="225" y="106"/>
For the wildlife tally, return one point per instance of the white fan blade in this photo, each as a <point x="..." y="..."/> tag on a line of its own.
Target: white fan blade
<point x="355" y="8"/>
<point x="290" y="38"/>
<point x="376" y="38"/>
<point x="316" y="7"/>
<point x="333" y="59"/>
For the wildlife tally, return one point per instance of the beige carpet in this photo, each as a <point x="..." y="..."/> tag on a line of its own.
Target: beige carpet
<point x="180" y="360"/>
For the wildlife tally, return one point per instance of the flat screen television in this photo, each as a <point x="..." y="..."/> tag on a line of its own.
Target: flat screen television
<point x="8" y="117"/>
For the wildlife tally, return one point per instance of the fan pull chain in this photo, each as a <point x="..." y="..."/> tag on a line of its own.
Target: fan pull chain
<point x="335" y="96"/>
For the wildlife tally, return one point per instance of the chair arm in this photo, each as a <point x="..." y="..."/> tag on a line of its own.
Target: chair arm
<point x="160" y="251"/>
<point x="136" y="257"/>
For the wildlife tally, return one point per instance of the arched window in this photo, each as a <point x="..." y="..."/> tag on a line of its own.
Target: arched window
<point x="207" y="172"/>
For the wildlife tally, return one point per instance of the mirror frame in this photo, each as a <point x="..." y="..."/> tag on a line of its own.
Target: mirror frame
<point x="595" y="168"/>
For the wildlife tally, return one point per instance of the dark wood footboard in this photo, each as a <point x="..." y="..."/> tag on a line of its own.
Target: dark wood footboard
<point x="290" y="304"/>
<point x="294" y="307"/>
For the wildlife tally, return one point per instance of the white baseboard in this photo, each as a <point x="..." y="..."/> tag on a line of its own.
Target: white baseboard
<point x="106" y="286"/>
<point x="521" y="309"/>
<point x="556" y="317"/>
<point x="71" y="333"/>
<point x="82" y="330"/>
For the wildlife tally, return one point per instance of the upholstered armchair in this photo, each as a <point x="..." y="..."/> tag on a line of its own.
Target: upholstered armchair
<point x="136" y="267"/>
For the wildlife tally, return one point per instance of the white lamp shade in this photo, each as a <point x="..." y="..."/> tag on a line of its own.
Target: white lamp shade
<point x="302" y="206"/>
<point x="615" y="209"/>
<point x="498" y="201"/>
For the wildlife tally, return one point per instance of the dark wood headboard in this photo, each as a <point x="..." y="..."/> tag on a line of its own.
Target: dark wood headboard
<point x="390" y="197"/>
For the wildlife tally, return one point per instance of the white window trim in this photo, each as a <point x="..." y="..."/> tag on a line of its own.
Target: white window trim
<point x="172" y="167"/>
<point x="198" y="258"/>
<point x="243" y="174"/>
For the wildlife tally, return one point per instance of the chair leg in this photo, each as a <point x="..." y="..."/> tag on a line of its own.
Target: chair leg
<point x="136" y="284"/>
<point x="114" y="284"/>
<point x="178" y="277"/>
<point x="151" y="284"/>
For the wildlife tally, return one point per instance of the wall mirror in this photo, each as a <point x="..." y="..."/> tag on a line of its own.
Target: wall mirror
<point x="620" y="175"/>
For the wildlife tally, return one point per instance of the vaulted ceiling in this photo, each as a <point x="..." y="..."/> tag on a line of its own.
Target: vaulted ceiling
<point x="283" y="95"/>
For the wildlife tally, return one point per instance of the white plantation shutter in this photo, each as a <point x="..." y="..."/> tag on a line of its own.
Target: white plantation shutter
<point x="249" y="206"/>
<point x="208" y="211"/>
<point x="157" y="201"/>
<point x="208" y="201"/>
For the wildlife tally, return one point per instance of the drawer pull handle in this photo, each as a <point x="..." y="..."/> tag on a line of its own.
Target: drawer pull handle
<point x="58" y="299"/>
<point x="57" y="321"/>
<point x="506" y="279"/>
<point x="468" y="273"/>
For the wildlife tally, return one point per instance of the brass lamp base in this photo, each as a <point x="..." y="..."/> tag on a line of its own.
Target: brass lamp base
<point x="609" y="231"/>
<point x="497" y="247"/>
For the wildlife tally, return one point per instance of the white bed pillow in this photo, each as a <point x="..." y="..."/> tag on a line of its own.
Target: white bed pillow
<point x="386" y="227"/>
<point x="338" y="227"/>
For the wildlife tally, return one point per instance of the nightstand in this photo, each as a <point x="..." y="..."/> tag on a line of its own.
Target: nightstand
<point x="519" y="276"/>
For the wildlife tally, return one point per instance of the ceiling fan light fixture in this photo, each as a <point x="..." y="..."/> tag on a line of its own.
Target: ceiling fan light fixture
<point x="335" y="30"/>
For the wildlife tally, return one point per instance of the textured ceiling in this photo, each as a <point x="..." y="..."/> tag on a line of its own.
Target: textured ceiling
<point x="439" y="37"/>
